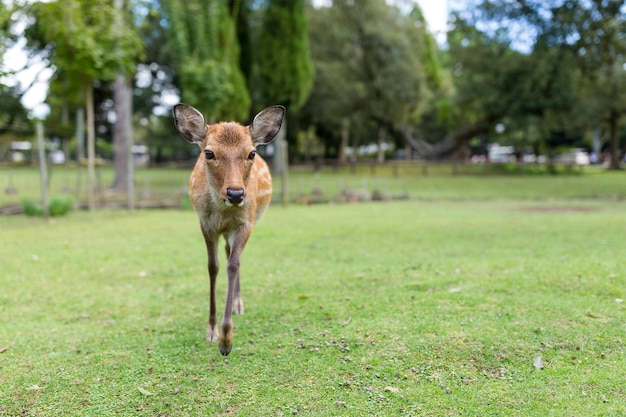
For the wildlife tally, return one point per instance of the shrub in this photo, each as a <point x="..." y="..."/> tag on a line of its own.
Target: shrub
<point x="58" y="206"/>
<point x="32" y="207"/>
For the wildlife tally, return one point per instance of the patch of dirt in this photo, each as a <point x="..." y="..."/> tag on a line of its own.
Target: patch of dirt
<point x="559" y="209"/>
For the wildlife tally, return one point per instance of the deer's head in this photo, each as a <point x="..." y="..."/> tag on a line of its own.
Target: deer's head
<point x="229" y="149"/>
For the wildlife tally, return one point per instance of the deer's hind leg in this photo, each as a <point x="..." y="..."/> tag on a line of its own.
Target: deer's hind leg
<point x="214" y="267"/>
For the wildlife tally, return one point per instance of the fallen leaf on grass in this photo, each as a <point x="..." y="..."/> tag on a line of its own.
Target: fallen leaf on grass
<point x="539" y="363"/>
<point x="4" y="349"/>
<point x="34" y="388"/>
<point x="345" y="323"/>
<point x="392" y="389"/>
<point x="144" y="391"/>
<point x="593" y="315"/>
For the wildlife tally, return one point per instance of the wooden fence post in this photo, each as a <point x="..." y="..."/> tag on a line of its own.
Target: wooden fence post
<point x="43" y="171"/>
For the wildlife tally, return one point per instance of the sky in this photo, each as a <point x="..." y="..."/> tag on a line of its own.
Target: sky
<point x="435" y="13"/>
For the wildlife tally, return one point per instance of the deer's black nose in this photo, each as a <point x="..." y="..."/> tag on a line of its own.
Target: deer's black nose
<point x="235" y="196"/>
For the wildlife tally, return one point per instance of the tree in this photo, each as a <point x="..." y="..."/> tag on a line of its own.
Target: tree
<point x="497" y="77"/>
<point x="5" y="22"/>
<point x="87" y="45"/>
<point x="599" y="28"/>
<point x="156" y="79"/>
<point x="285" y="69"/>
<point x="203" y="44"/>
<point x="123" y="130"/>
<point x="12" y="111"/>
<point x="374" y="68"/>
<point x="554" y="64"/>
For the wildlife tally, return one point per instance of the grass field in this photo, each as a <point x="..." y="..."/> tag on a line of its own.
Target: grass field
<point x="463" y="301"/>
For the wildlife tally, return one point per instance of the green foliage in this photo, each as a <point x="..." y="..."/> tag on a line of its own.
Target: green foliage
<point x="32" y="207"/>
<point x="284" y="62"/>
<point x="5" y="15"/>
<point x="88" y="37"/>
<point x="203" y="44"/>
<point x="559" y="62"/>
<point x="375" y="67"/>
<point x="427" y="48"/>
<point x="58" y="206"/>
<point x="12" y="113"/>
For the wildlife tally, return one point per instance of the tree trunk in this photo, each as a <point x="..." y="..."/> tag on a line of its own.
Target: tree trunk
<point x="80" y="135"/>
<point x="123" y="138"/>
<point x="451" y="142"/>
<point x="614" y="162"/>
<point x="41" y="148"/>
<point x="119" y="135"/>
<point x="380" y="156"/>
<point x="345" y="137"/>
<point x="91" y="148"/>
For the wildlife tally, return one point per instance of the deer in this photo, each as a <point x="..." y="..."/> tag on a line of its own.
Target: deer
<point x="230" y="189"/>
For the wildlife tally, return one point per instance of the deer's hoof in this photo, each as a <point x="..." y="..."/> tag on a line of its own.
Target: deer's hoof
<point x="238" y="305"/>
<point x="212" y="334"/>
<point x="225" y="350"/>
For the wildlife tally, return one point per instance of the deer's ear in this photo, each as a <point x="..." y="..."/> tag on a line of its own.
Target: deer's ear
<point x="266" y="124"/>
<point x="189" y="123"/>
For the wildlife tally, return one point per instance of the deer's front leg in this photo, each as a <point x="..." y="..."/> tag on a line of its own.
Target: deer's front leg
<point x="211" y="246"/>
<point x="237" y="241"/>
<point x="237" y="300"/>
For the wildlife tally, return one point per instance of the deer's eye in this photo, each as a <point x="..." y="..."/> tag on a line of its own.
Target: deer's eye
<point x="209" y="155"/>
<point x="251" y="156"/>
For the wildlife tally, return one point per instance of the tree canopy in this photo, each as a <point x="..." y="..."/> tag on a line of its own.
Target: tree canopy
<point x="549" y="73"/>
<point x="203" y="44"/>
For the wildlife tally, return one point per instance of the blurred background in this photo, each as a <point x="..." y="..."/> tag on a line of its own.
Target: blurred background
<point x="397" y="87"/>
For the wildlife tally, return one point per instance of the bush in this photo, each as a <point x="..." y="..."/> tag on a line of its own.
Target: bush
<point x="32" y="207"/>
<point x="58" y="206"/>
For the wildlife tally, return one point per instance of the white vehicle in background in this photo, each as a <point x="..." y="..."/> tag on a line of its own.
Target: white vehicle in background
<point x="500" y="154"/>
<point x="574" y="157"/>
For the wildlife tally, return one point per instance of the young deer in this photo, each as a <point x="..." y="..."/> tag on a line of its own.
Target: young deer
<point x="230" y="188"/>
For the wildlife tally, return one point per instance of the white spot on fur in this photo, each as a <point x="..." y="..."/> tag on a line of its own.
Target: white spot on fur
<point x="231" y="238"/>
<point x="263" y="193"/>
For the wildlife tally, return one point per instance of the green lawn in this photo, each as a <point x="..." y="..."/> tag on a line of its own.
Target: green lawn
<point x="436" y="306"/>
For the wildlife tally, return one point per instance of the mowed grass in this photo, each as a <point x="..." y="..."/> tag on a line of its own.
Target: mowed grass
<point x="462" y="307"/>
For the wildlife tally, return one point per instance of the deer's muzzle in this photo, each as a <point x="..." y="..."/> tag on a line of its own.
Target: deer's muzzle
<point x="234" y="196"/>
